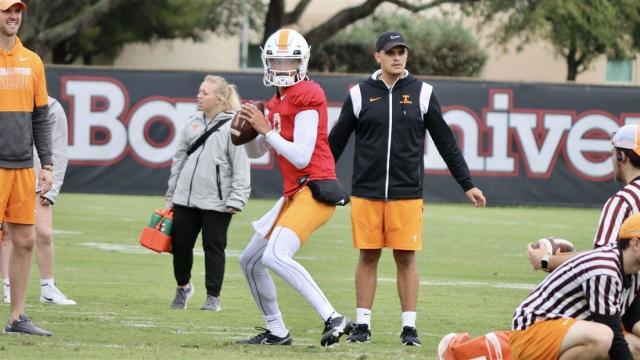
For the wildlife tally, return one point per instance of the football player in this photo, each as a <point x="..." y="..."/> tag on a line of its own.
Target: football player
<point x="587" y="308"/>
<point x="295" y="126"/>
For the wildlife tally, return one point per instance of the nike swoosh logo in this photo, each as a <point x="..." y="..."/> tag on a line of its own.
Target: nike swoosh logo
<point x="48" y="299"/>
<point x="394" y="37"/>
<point x="372" y="99"/>
<point x="23" y="58"/>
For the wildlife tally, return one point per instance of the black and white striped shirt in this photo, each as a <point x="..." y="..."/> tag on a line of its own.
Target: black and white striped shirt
<point x="590" y="283"/>
<point x="620" y="206"/>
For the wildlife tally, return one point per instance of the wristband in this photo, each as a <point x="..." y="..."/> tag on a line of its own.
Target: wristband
<point x="544" y="263"/>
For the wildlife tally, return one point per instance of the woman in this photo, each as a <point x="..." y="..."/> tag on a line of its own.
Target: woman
<point x="206" y="188"/>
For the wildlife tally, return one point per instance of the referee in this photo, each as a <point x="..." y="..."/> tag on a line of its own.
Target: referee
<point x="580" y="309"/>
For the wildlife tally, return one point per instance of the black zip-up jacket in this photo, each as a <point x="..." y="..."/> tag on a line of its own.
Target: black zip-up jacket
<point x="390" y="126"/>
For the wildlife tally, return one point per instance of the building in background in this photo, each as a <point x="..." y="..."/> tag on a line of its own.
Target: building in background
<point x="536" y="62"/>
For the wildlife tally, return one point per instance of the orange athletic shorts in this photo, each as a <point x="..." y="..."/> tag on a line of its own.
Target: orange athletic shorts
<point x="17" y="196"/>
<point x="396" y="224"/>
<point x="303" y="214"/>
<point x="541" y="341"/>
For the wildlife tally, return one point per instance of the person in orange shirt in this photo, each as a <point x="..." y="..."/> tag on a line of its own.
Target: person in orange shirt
<point x="45" y="252"/>
<point x="23" y="122"/>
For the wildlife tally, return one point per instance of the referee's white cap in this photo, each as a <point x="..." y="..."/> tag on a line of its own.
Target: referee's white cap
<point x="627" y="137"/>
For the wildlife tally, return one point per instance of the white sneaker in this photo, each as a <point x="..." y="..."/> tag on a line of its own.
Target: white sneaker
<point x="7" y="293"/>
<point x="50" y="294"/>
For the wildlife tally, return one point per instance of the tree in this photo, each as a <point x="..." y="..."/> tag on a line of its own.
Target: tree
<point x="80" y="28"/>
<point x="442" y="47"/>
<point x="276" y="17"/>
<point x="90" y="28"/>
<point x="51" y="22"/>
<point x="579" y="30"/>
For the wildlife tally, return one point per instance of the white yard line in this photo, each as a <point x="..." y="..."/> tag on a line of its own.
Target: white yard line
<point x="137" y="249"/>
<point x="66" y="232"/>
<point x="466" y="283"/>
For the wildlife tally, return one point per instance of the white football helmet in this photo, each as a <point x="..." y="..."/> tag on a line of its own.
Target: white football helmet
<point x="285" y="57"/>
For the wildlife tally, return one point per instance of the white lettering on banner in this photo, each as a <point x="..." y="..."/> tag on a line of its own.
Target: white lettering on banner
<point x="499" y="161"/>
<point x="176" y="116"/>
<point x="631" y="119"/>
<point x="103" y="129"/>
<point x="536" y="136"/>
<point x="536" y="158"/>
<point x="578" y="145"/>
<point x="84" y="119"/>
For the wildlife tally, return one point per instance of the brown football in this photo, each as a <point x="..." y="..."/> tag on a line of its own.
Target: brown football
<point x="554" y="245"/>
<point x="241" y="131"/>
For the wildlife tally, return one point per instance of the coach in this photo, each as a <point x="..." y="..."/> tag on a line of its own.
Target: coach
<point x="390" y="113"/>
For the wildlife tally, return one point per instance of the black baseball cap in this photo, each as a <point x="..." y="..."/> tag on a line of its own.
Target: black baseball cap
<point x="389" y="40"/>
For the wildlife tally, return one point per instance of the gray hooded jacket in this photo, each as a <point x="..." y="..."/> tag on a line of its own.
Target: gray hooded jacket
<point x="216" y="175"/>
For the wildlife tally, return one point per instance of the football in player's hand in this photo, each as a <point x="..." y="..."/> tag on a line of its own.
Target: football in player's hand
<point x="554" y="245"/>
<point x="241" y="130"/>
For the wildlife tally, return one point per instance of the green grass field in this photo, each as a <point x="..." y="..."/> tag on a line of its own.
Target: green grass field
<point x="473" y="274"/>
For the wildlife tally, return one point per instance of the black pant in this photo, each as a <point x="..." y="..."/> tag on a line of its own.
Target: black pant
<point x="187" y="224"/>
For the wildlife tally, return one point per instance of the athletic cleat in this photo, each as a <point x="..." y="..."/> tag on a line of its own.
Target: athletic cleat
<point x="50" y="294"/>
<point x="409" y="336"/>
<point x="360" y="334"/>
<point x="24" y="325"/>
<point x="212" y="304"/>
<point x="182" y="297"/>
<point x="266" y="338"/>
<point x="334" y="328"/>
<point x="7" y="293"/>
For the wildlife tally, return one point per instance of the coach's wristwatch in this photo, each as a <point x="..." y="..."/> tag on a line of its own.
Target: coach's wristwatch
<point x="544" y="263"/>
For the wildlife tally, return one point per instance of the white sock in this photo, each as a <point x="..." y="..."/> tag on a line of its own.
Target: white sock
<point x="49" y="282"/>
<point x="409" y="318"/>
<point x="5" y="282"/>
<point x="363" y="316"/>
<point x="275" y="324"/>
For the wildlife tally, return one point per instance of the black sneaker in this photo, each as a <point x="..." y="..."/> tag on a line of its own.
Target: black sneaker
<point x="24" y="325"/>
<point x="409" y="336"/>
<point x="360" y="334"/>
<point x="334" y="328"/>
<point x="266" y="338"/>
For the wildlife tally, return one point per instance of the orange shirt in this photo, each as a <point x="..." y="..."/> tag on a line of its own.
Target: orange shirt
<point x="23" y="108"/>
<point x="22" y="80"/>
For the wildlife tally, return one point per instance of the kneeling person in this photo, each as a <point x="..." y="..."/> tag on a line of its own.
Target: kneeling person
<point x="578" y="311"/>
